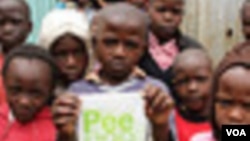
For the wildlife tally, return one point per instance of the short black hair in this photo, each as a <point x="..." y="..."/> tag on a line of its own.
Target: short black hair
<point x="31" y="51"/>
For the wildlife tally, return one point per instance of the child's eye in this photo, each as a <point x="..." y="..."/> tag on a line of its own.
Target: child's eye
<point x="177" y="11"/>
<point x="246" y="106"/>
<point x="224" y="103"/>
<point x="131" y="44"/>
<point x="161" y="9"/>
<point x="110" y="41"/>
<point x="14" y="89"/>
<point x="181" y="82"/>
<point x="2" y="22"/>
<point x="36" y="93"/>
<point x="201" y="78"/>
<point x="16" y="21"/>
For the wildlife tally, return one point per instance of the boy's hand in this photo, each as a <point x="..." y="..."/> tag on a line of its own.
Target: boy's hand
<point x="158" y="105"/>
<point x="65" y="111"/>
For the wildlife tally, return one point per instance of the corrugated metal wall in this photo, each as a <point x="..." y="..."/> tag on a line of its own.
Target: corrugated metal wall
<point x="39" y="8"/>
<point x="215" y="23"/>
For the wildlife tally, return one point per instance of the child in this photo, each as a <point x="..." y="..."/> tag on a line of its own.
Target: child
<point x="245" y="18"/>
<point x="192" y="76"/>
<point x="15" y="26"/>
<point x="68" y="40"/>
<point x="165" y="38"/>
<point x="119" y="43"/>
<point x="230" y="91"/>
<point x="29" y="75"/>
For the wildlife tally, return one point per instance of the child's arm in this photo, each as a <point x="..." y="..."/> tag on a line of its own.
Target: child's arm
<point x="158" y="108"/>
<point x="65" y="113"/>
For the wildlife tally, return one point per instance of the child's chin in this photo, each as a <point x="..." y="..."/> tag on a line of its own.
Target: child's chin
<point x="24" y="120"/>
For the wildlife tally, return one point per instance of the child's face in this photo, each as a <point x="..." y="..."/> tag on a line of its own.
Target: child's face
<point x="28" y="84"/>
<point x="14" y="23"/>
<point x="119" y="46"/>
<point x="71" y="56"/>
<point x="192" y="83"/>
<point x="166" y="16"/>
<point x="246" y="20"/>
<point x="233" y="97"/>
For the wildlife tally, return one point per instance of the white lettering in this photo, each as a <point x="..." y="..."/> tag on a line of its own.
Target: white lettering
<point x="236" y="132"/>
<point x="243" y="133"/>
<point x="229" y="132"/>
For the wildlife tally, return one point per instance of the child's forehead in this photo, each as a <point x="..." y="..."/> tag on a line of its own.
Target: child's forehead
<point x="168" y="2"/>
<point x="14" y="5"/>
<point x="126" y="25"/>
<point x="192" y="59"/>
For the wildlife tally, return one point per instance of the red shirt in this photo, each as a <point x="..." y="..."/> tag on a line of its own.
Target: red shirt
<point x="39" y="129"/>
<point x="186" y="130"/>
<point x="2" y="89"/>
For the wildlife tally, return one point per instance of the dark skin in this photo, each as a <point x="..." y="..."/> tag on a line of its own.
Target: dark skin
<point x="245" y="18"/>
<point x="166" y="18"/>
<point x="29" y="86"/>
<point x="15" y="24"/>
<point x="119" y="45"/>
<point x="192" y="83"/>
<point x="233" y="97"/>
<point x="139" y="3"/>
<point x="72" y="58"/>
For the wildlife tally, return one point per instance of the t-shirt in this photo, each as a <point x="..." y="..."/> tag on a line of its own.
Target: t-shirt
<point x="184" y="130"/>
<point x="133" y="84"/>
<point x="39" y="129"/>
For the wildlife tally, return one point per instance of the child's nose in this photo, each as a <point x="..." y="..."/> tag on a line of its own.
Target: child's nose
<point x="168" y="16"/>
<point x="192" y="86"/>
<point x="119" y="50"/>
<point x="71" y="59"/>
<point x="236" y="114"/>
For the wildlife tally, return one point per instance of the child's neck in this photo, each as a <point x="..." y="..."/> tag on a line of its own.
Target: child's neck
<point x="164" y="39"/>
<point x="110" y="79"/>
<point x="193" y="116"/>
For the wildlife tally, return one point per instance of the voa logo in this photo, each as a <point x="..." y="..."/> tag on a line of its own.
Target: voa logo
<point x="236" y="132"/>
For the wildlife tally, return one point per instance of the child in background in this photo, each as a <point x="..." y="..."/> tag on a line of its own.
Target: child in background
<point x="15" y="26"/>
<point x="245" y="19"/>
<point x="68" y="40"/>
<point x="192" y="76"/>
<point x="165" y="38"/>
<point x="119" y="38"/>
<point x="30" y="76"/>
<point x="231" y="92"/>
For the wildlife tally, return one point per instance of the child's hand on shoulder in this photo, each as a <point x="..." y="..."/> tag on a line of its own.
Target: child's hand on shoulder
<point x="65" y="111"/>
<point x="158" y="105"/>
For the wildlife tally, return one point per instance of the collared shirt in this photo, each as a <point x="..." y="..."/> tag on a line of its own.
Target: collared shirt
<point x="149" y="65"/>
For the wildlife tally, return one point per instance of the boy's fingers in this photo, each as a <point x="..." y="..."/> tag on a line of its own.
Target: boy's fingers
<point x="150" y="93"/>
<point x="70" y="101"/>
<point x="64" y="121"/>
<point x="64" y="110"/>
<point x="159" y="99"/>
<point x="168" y="103"/>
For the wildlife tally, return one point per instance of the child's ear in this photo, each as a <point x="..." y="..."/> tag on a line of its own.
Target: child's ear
<point x="30" y="27"/>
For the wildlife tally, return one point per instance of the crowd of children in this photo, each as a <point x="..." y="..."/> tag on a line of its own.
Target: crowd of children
<point x="101" y="46"/>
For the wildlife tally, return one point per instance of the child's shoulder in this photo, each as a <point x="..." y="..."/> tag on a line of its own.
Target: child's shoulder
<point x="81" y="86"/>
<point x="187" y="42"/>
<point x="156" y="82"/>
